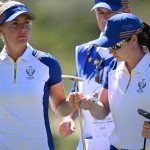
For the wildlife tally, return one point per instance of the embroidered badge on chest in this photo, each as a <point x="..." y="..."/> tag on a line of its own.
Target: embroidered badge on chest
<point x="30" y="72"/>
<point x="141" y="86"/>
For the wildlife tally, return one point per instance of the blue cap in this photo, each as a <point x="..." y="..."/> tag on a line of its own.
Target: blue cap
<point x="119" y="27"/>
<point x="14" y="11"/>
<point x="113" y="5"/>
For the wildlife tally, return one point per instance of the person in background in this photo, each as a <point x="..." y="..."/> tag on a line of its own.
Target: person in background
<point x="28" y="77"/>
<point x="127" y="84"/>
<point x="91" y="65"/>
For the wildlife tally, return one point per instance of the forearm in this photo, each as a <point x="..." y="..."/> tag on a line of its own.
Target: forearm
<point x="63" y="109"/>
<point x="74" y="114"/>
<point x="98" y="111"/>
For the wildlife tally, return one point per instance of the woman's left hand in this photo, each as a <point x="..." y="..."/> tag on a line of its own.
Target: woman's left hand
<point x="88" y="102"/>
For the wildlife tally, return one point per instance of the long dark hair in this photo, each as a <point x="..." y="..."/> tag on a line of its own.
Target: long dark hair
<point x="144" y="36"/>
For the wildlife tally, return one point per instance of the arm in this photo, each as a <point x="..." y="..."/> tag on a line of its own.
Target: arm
<point x="101" y="109"/>
<point x="67" y="126"/>
<point x="98" y="110"/>
<point x="58" y="100"/>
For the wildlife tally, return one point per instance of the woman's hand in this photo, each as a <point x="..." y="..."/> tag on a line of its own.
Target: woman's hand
<point x="67" y="126"/>
<point x="79" y="100"/>
<point x="89" y="102"/>
<point x="75" y="99"/>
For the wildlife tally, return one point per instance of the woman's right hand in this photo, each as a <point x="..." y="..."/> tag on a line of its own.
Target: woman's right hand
<point x="79" y="100"/>
<point x="75" y="99"/>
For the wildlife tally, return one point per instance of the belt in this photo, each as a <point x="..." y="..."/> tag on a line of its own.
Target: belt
<point x="114" y="148"/>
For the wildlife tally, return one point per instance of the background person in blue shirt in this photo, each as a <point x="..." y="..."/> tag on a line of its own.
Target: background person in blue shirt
<point x="127" y="84"/>
<point x="91" y="65"/>
<point x="27" y="78"/>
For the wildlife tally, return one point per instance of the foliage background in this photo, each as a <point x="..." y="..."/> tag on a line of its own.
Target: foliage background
<point x="60" y="25"/>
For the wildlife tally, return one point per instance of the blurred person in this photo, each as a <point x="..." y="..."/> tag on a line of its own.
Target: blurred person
<point x="28" y="77"/>
<point x="126" y="88"/>
<point x="91" y="65"/>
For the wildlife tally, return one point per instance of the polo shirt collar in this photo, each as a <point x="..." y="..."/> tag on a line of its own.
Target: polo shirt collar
<point x="143" y="64"/>
<point x="26" y="55"/>
<point x="121" y="66"/>
<point x="140" y="67"/>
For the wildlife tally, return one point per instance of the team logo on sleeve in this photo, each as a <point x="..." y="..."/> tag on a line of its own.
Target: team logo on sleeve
<point x="30" y="71"/>
<point x="141" y="86"/>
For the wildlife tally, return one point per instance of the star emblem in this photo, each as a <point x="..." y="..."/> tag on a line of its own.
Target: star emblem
<point x="96" y="62"/>
<point x="89" y="59"/>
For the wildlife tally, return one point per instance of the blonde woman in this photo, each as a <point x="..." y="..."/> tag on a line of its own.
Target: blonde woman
<point x="28" y="77"/>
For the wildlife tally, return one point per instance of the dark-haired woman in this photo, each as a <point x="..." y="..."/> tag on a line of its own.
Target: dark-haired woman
<point x="127" y="85"/>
